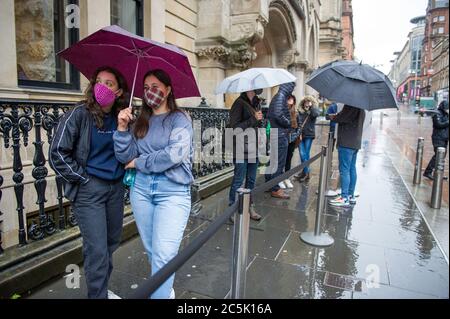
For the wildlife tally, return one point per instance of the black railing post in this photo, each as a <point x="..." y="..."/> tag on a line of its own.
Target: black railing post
<point x="50" y="124"/>
<point x="19" y="123"/>
<point x="39" y="173"/>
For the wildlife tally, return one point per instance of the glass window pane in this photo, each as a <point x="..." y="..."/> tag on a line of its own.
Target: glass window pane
<point x="40" y="34"/>
<point x="124" y="14"/>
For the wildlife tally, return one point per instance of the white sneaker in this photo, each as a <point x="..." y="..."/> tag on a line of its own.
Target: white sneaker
<point x="288" y="183"/>
<point x="112" y="295"/>
<point x="282" y="185"/>
<point x="340" y="202"/>
<point x="172" y="294"/>
<point x="338" y="192"/>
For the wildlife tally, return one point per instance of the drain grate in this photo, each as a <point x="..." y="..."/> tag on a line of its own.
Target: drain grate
<point x="342" y="282"/>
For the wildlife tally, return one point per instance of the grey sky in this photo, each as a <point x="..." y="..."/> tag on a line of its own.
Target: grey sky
<point x="381" y="27"/>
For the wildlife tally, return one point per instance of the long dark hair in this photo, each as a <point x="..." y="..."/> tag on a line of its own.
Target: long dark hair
<point x="294" y="98"/>
<point x="142" y="122"/>
<point x="92" y="105"/>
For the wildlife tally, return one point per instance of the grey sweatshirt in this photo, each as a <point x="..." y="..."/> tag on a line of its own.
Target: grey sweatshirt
<point x="167" y="148"/>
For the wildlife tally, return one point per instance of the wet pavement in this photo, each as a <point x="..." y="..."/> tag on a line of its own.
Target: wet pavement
<point x="383" y="245"/>
<point x="398" y="139"/>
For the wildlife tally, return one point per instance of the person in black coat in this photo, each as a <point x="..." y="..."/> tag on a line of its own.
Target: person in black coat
<point x="439" y="136"/>
<point x="245" y="114"/>
<point x="280" y="120"/>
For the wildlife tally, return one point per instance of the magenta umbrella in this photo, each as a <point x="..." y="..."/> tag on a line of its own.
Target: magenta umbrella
<point x="133" y="56"/>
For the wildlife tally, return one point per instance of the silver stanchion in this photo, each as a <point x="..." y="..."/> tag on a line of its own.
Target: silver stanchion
<point x="316" y="238"/>
<point x="329" y="192"/>
<point x="418" y="166"/>
<point x="240" y="245"/>
<point x="381" y="118"/>
<point x="399" y="114"/>
<point x="436" y="194"/>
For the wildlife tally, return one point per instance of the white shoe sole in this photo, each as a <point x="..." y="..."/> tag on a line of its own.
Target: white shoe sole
<point x="288" y="184"/>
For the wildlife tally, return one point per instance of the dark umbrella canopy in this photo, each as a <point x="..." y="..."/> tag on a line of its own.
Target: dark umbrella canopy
<point x="355" y="84"/>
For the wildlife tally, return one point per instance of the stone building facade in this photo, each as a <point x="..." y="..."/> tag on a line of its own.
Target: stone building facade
<point x="405" y="71"/>
<point x="220" y="38"/>
<point x="336" y="31"/>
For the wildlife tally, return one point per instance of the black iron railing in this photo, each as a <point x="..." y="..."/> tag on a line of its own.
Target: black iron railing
<point x="21" y="119"/>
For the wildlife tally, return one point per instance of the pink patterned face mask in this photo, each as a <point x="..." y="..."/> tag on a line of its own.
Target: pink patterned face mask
<point x="104" y="95"/>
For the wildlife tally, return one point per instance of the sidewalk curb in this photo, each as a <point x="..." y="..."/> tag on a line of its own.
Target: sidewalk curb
<point x="421" y="212"/>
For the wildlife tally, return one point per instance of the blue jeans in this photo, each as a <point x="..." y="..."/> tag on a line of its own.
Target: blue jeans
<point x="347" y="170"/>
<point x="305" y="151"/>
<point x="161" y="209"/>
<point x="242" y="170"/>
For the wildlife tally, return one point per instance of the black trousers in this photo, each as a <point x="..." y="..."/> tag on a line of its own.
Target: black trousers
<point x="98" y="209"/>
<point x="432" y="163"/>
<point x="290" y="154"/>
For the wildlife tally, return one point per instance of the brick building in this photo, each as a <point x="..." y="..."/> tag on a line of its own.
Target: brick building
<point x="435" y="29"/>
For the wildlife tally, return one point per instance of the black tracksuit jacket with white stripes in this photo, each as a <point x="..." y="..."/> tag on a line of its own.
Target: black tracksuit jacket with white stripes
<point x="69" y="150"/>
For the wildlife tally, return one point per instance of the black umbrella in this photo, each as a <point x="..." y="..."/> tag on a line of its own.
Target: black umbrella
<point x="355" y="84"/>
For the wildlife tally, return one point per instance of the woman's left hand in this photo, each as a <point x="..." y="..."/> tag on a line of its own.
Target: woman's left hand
<point x="130" y="164"/>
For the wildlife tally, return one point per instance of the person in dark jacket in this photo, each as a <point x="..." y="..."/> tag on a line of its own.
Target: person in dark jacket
<point x="280" y="120"/>
<point x="82" y="153"/>
<point x="439" y="136"/>
<point x="350" y="129"/>
<point x="245" y="114"/>
<point x="308" y="114"/>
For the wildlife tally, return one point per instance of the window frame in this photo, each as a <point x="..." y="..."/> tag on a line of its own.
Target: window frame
<point x="139" y="17"/>
<point x="74" y="84"/>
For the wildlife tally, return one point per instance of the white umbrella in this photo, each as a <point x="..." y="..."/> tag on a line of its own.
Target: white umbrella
<point x="255" y="78"/>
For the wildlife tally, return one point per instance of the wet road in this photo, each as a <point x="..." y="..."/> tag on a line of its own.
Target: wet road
<point x="383" y="247"/>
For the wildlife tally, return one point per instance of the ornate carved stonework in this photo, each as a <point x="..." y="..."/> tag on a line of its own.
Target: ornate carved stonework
<point x="300" y="66"/>
<point x="219" y="53"/>
<point x="241" y="56"/>
<point x="252" y="31"/>
<point x="287" y="58"/>
<point x="237" y="56"/>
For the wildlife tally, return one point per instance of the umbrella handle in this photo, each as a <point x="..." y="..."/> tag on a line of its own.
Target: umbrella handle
<point x="134" y="82"/>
